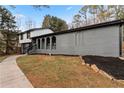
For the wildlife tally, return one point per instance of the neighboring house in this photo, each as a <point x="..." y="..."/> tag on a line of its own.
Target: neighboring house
<point x="25" y="37"/>
<point x="104" y="39"/>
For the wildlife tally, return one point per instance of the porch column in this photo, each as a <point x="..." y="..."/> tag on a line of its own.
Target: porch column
<point x="40" y="43"/>
<point x="50" y="43"/>
<point x="45" y="43"/>
<point x="36" y="43"/>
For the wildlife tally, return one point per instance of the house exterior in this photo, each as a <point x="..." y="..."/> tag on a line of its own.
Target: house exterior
<point x="104" y="39"/>
<point x="25" y="37"/>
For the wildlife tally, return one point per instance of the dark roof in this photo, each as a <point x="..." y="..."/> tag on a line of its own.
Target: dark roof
<point x="115" y="22"/>
<point x="33" y="29"/>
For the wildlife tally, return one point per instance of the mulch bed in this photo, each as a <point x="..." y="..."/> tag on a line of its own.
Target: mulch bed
<point x="112" y="66"/>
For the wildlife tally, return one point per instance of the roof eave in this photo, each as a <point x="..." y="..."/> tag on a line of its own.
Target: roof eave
<point x="115" y="22"/>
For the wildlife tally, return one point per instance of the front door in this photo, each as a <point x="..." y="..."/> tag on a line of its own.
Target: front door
<point x="25" y="47"/>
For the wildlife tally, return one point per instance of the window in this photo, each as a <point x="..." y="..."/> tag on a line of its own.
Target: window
<point x="38" y="43"/>
<point x="21" y="36"/>
<point x="48" y="43"/>
<point x="43" y="43"/>
<point x="53" y="42"/>
<point x="28" y="34"/>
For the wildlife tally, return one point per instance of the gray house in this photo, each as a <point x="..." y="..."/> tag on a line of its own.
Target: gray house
<point x="104" y="39"/>
<point x="25" y="37"/>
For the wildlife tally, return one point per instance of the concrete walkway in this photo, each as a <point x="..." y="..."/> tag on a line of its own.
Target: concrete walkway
<point x="11" y="76"/>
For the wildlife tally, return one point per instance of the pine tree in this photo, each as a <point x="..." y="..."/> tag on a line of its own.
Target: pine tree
<point x="84" y="13"/>
<point x="56" y="24"/>
<point x="46" y="22"/>
<point x="76" y="21"/>
<point x="9" y="37"/>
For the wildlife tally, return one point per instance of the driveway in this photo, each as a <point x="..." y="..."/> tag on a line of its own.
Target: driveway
<point x="11" y="76"/>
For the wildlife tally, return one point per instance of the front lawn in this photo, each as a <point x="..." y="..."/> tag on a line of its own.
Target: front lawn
<point x="61" y="71"/>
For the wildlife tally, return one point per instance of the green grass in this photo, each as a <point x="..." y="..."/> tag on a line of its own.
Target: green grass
<point x="61" y="71"/>
<point x="2" y="58"/>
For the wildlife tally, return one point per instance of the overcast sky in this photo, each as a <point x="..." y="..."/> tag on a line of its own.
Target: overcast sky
<point x="25" y="12"/>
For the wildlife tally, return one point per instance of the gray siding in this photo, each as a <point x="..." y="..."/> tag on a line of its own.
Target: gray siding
<point x="33" y="33"/>
<point x="99" y="41"/>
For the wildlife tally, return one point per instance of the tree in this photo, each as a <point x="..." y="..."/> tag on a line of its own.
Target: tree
<point x="2" y="44"/>
<point x="118" y="11"/>
<point x="84" y="13"/>
<point x="76" y="21"/>
<point x="104" y="13"/>
<point x="34" y="6"/>
<point x="46" y="22"/>
<point x="56" y="24"/>
<point x="92" y="14"/>
<point x="9" y="36"/>
<point x="93" y="10"/>
<point x="40" y="6"/>
<point x="29" y="23"/>
<point x="7" y="20"/>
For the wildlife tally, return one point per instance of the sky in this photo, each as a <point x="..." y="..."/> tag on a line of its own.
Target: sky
<point x="24" y="13"/>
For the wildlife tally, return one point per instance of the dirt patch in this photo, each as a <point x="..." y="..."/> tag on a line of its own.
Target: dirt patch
<point x="112" y="66"/>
